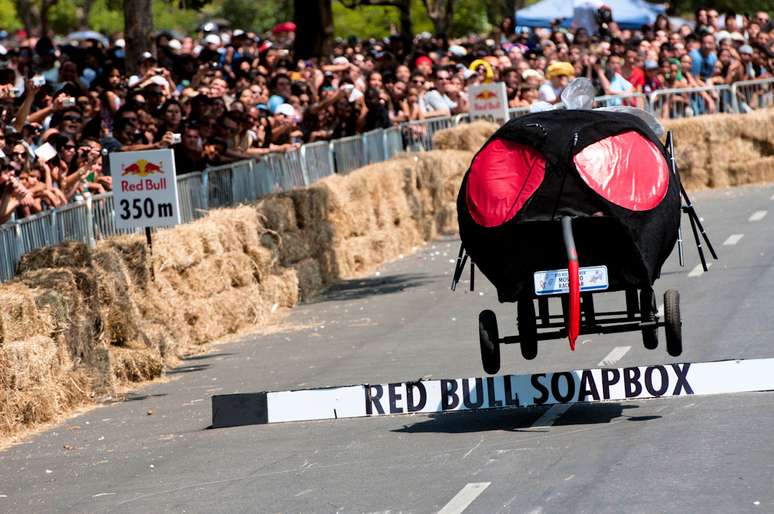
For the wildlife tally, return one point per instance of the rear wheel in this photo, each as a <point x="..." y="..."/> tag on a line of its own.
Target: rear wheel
<point x="673" y="324"/>
<point x="648" y="313"/>
<point x="527" y="328"/>
<point x="489" y="341"/>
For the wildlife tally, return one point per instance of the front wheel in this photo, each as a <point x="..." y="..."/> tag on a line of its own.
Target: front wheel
<point x="673" y="324"/>
<point x="490" y="341"/>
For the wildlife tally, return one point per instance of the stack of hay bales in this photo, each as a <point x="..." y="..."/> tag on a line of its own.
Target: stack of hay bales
<point x="78" y="322"/>
<point x="725" y="150"/>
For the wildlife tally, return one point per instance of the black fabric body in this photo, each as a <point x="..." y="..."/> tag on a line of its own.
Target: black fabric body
<point x="632" y="244"/>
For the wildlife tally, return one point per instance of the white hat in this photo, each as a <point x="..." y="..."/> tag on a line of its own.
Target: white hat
<point x="285" y="109"/>
<point x="238" y="32"/>
<point x="120" y="43"/>
<point x="133" y="81"/>
<point x="458" y="50"/>
<point x="159" y="80"/>
<point x="175" y="45"/>
<point x="340" y="60"/>
<point x="212" y="39"/>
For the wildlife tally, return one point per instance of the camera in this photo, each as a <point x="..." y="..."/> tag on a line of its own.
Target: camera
<point x="14" y="92"/>
<point x="176" y="139"/>
<point x="68" y="102"/>
<point x="38" y="80"/>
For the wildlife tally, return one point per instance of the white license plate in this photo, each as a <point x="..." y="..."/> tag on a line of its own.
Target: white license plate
<point x="592" y="278"/>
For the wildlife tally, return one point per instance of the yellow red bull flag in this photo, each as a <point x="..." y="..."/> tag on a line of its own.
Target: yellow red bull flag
<point x="144" y="189"/>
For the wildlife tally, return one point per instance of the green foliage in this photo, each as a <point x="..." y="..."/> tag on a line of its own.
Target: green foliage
<point x="8" y="19"/>
<point x="252" y="15"/>
<point x="63" y="17"/>
<point x="104" y="18"/>
<point x="469" y="17"/>
<point x="376" y="21"/>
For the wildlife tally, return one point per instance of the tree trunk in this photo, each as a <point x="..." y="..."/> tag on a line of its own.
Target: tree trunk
<point x="83" y="12"/>
<point x="24" y="11"/>
<point x="406" y="27"/>
<point x="440" y="13"/>
<point x="138" y="31"/>
<point x="44" y="8"/>
<point x="314" y="28"/>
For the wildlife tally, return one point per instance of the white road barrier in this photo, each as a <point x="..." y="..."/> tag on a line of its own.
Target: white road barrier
<point x="496" y="392"/>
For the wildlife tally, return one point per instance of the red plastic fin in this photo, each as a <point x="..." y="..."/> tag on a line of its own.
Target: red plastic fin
<point x="573" y="318"/>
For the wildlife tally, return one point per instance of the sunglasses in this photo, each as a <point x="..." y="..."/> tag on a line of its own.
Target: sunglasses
<point x="72" y="118"/>
<point x="68" y="147"/>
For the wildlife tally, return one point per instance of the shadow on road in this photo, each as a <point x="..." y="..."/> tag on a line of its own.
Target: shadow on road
<point x="518" y="420"/>
<point x="188" y="369"/>
<point x="355" y="289"/>
<point x="207" y="356"/>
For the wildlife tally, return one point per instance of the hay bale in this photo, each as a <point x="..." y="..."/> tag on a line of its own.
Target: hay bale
<point x="20" y="317"/>
<point x="294" y="247"/>
<point x="69" y="254"/>
<point x="310" y="278"/>
<point x="136" y="365"/>
<point x="37" y="384"/>
<point x="279" y="211"/>
<point x="280" y="289"/>
<point x="468" y="137"/>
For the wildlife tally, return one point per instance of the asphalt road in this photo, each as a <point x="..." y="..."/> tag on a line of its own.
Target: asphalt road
<point x="701" y="454"/>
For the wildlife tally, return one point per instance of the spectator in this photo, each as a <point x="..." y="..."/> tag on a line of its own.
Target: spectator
<point x="559" y="75"/>
<point x="704" y="59"/>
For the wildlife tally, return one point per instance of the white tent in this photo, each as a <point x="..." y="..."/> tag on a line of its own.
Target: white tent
<point x="628" y="14"/>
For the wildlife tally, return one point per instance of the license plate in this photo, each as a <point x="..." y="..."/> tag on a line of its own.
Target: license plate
<point x="592" y="278"/>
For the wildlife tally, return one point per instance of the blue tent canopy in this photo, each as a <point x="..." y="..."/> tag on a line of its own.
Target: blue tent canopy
<point x="629" y="14"/>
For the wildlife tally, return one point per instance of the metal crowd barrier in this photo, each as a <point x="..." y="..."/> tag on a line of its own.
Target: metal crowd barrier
<point x="92" y="218"/>
<point x="750" y="95"/>
<point x="349" y="154"/>
<point x="628" y="99"/>
<point x="692" y="101"/>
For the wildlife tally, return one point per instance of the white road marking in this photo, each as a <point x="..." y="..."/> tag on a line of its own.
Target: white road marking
<point x="698" y="271"/>
<point x="733" y="239"/>
<point x="464" y="498"/>
<point x="757" y="216"/>
<point x="614" y="356"/>
<point x="472" y="449"/>
<point x="551" y="415"/>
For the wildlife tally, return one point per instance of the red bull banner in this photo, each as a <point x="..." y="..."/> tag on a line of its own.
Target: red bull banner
<point x="488" y="101"/>
<point x="144" y="189"/>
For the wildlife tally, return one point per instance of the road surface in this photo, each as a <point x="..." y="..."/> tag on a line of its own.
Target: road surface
<point x="702" y="454"/>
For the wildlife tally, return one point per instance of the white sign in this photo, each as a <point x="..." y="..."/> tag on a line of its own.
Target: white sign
<point x="488" y="101"/>
<point x="496" y="392"/>
<point x="592" y="278"/>
<point x="144" y="189"/>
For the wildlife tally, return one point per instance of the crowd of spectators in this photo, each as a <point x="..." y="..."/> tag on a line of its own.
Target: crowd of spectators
<point x="224" y="95"/>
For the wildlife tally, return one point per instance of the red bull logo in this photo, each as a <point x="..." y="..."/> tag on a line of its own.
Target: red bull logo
<point x="486" y="95"/>
<point x="141" y="168"/>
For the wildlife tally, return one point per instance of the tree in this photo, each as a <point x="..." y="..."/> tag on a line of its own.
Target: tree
<point x="441" y="13"/>
<point x="138" y="31"/>
<point x="314" y="28"/>
<point x="403" y="7"/>
<point x="34" y="14"/>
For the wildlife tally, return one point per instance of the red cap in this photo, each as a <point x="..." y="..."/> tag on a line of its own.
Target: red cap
<point x="423" y="60"/>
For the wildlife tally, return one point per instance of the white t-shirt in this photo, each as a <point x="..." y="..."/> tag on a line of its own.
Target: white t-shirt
<point x="549" y="93"/>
